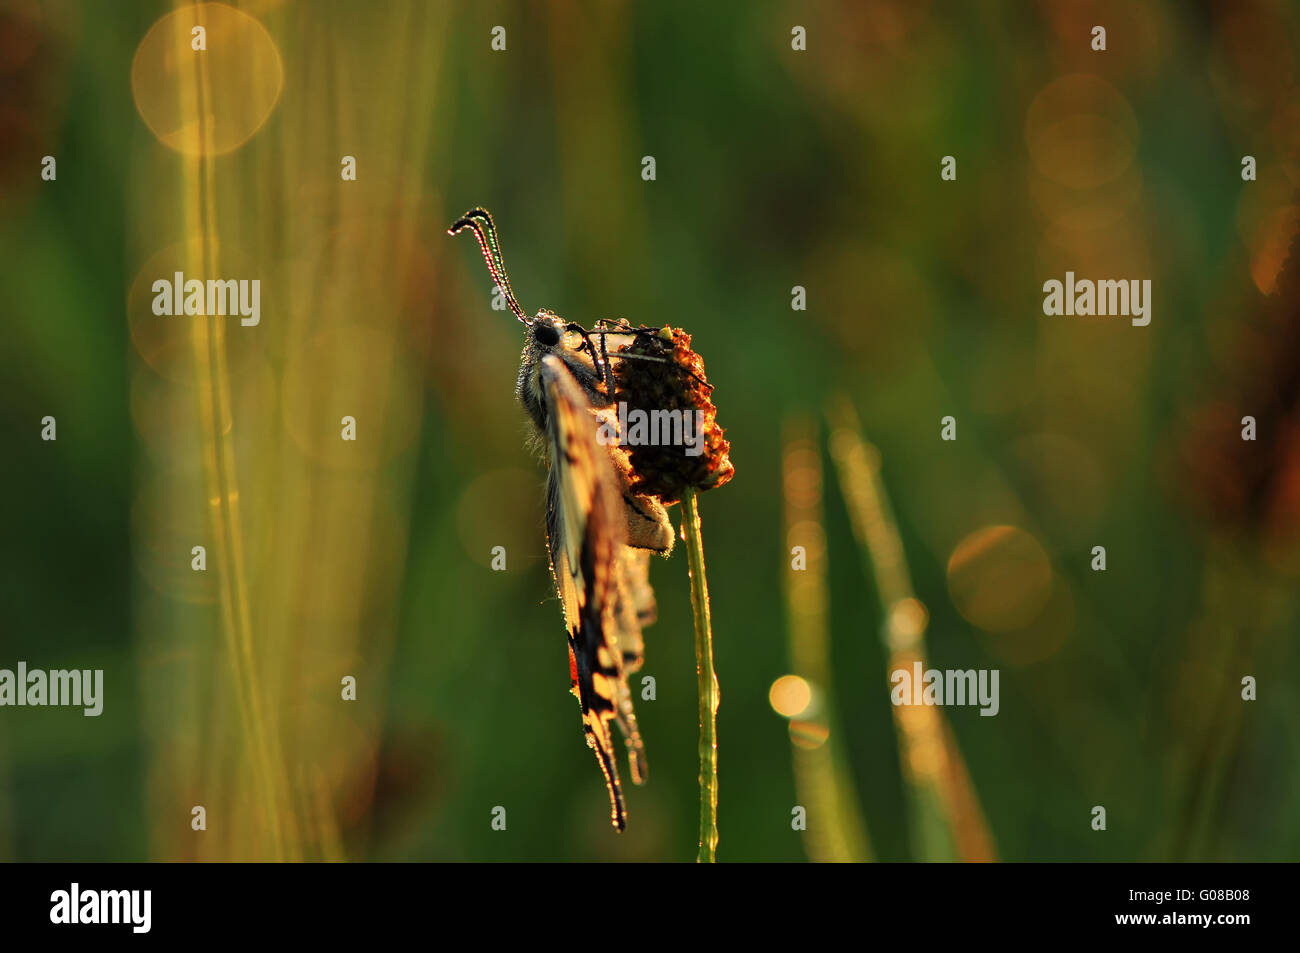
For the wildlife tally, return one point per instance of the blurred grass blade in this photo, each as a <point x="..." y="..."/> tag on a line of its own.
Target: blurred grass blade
<point x="824" y="784"/>
<point x="947" y="820"/>
<point x="212" y="392"/>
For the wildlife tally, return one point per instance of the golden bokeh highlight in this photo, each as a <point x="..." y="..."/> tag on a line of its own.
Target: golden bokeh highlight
<point x="809" y="735"/>
<point x="206" y="102"/>
<point x="811" y="536"/>
<point x="802" y="476"/>
<point x="906" y="623"/>
<point x="999" y="578"/>
<point x="790" y="696"/>
<point x="166" y="342"/>
<point x="1081" y="132"/>
<point x="1070" y="210"/>
<point x="924" y="756"/>
<point x="920" y="728"/>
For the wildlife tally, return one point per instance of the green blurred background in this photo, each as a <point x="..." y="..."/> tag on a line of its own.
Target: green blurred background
<point x="775" y="168"/>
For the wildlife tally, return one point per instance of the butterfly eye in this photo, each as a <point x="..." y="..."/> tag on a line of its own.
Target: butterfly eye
<point x="546" y="335"/>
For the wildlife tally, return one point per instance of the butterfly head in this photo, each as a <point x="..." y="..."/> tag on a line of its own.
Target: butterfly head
<point x="546" y="330"/>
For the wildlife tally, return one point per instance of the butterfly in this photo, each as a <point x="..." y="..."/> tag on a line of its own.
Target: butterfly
<point x="600" y="531"/>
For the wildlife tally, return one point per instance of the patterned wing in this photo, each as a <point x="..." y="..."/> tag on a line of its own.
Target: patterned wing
<point x="634" y="608"/>
<point x="586" y="527"/>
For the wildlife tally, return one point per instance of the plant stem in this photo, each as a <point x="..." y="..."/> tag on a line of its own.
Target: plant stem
<point x="213" y="394"/>
<point x="706" y="677"/>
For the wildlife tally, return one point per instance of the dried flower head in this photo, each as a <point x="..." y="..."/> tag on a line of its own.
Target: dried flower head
<point x="661" y="373"/>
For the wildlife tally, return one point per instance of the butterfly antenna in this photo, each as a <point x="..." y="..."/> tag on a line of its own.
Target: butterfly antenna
<point x="480" y="221"/>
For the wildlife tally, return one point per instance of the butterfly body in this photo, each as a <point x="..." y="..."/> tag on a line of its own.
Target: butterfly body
<point x="591" y="365"/>
<point x="599" y="530"/>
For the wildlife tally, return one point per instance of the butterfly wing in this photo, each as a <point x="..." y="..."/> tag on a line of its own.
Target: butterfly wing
<point x="586" y="527"/>
<point x="634" y="608"/>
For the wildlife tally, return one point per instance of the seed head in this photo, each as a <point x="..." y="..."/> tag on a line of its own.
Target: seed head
<point x="660" y="372"/>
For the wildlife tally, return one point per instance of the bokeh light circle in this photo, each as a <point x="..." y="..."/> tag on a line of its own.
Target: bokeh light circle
<point x="211" y="101"/>
<point x="1000" y="578"/>
<point x="790" y="696"/>
<point x="1081" y="132"/>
